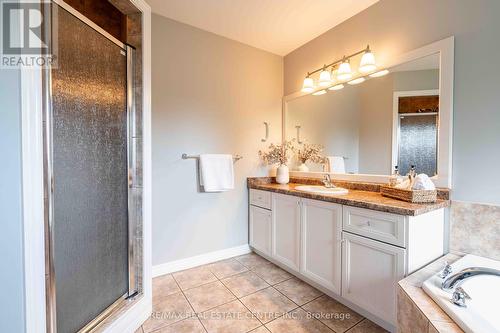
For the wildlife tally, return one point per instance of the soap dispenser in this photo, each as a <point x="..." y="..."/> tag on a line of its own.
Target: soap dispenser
<point x="411" y="175"/>
<point x="394" y="179"/>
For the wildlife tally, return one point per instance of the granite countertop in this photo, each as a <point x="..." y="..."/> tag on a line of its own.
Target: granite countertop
<point x="417" y="312"/>
<point x="356" y="198"/>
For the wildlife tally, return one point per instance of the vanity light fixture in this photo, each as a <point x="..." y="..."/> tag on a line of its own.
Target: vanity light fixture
<point x="319" y="92"/>
<point x="308" y="86"/>
<point x="357" y="81"/>
<point x="380" y="73"/>
<point x="337" y="87"/>
<point x="325" y="77"/>
<point x="367" y="63"/>
<point x="343" y="72"/>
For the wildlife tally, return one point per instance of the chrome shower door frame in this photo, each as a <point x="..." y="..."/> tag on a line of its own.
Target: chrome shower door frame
<point x="134" y="267"/>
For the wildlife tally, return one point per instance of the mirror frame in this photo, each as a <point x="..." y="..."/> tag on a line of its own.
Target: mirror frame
<point x="445" y="49"/>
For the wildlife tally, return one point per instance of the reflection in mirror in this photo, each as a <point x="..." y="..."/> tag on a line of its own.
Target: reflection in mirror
<point x="370" y="127"/>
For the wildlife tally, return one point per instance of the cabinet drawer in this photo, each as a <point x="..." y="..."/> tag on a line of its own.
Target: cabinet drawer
<point x="385" y="227"/>
<point x="260" y="198"/>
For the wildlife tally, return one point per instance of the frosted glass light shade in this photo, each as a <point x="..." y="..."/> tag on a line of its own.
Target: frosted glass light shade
<point x="319" y="92"/>
<point x="380" y="73"/>
<point x="357" y="81"/>
<point x="337" y="87"/>
<point x="367" y="63"/>
<point x="308" y="85"/>
<point x="344" y="71"/>
<point x="325" y="78"/>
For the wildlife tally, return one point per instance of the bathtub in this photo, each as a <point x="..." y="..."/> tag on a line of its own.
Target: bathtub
<point x="482" y="314"/>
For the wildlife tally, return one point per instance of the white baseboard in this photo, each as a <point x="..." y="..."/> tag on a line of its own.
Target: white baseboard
<point x="202" y="259"/>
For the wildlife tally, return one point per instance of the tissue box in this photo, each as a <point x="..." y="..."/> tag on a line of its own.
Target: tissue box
<point x="414" y="196"/>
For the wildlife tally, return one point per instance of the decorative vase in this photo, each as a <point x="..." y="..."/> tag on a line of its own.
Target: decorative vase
<point x="282" y="174"/>
<point x="303" y="168"/>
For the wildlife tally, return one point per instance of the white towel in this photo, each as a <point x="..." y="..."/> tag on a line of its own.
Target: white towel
<point x="216" y="172"/>
<point x="423" y="182"/>
<point x="336" y="164"/>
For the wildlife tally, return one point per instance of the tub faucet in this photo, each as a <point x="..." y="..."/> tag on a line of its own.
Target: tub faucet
<point x="453" y="283"/>
<point x="455" y="280"/>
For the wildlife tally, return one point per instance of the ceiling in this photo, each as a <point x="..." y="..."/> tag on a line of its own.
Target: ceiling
<point x="277" y="26"/>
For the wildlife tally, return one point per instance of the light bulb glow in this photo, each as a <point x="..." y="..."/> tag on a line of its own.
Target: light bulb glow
<point x="380" y="73"/>
<point x="344" y="72"/>
<point x="367" y="63"/>
<point x="337" y="87"/>
<point x="319" y="92"/>
<point x="325" y="78"/>
<point x="357" y="81"/>
<point x="308" y="85"/>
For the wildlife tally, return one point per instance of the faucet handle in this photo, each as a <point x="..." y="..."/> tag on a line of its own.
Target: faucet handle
<point x="446" y="270"/>
<point x="459" y="296"/>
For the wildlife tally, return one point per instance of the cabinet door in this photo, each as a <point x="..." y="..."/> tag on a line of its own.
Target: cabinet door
<point x="260" y="229"/>
<point x="321" y="243"/>
<point x="286" y="230"/>
<point x="370" y="272"/>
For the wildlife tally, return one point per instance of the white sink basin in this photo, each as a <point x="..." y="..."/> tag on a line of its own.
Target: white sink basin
<point x="322" y="189"/>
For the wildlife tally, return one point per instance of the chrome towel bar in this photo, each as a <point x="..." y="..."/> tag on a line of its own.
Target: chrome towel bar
<point x="186" y="156"/>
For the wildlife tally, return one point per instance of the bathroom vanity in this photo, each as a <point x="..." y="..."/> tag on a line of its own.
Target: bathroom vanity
<point x="354" y="247"/>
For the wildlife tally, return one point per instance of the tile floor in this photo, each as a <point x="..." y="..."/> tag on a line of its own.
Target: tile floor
<point x="246" y="294"/>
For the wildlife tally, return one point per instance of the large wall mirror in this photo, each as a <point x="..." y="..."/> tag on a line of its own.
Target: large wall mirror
<point x="400" y="119"/>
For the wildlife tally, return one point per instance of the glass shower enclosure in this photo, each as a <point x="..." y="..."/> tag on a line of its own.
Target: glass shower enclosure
<point x="92" y="211"/>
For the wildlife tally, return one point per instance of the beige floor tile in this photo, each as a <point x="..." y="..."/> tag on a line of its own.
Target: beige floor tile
<point x="268" y="304"/>
<point x="225" y="268"/>
<point x="298" y="291"/>
<point x="244" y="284"/>
<point x="367" y="326"/>
<point x="168" y="310"/>
<point x="139" y="330"/>
<point x="251" y="260"/>
<point x="194" y="277"/>
<point x="332" y="313"/>
<point x="297" y="321"/>
<point x="164" y="285"/>
<point x="190" y="325"/>
<point x="261" y="329"/>
<point x="271" y="273"/>
<point x="232" y="317"/>
<point x="208" y="296"/>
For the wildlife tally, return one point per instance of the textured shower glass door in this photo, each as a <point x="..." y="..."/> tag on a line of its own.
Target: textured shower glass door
<point x="90" y="172"/>
<point x="418" y="143"/>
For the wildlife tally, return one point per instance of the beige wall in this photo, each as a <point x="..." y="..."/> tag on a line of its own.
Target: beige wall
<point x="397" y="26"/>
<point x="210" y="95"/>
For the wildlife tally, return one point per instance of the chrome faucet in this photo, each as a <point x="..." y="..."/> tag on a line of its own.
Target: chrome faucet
<point x="327" y="181"/>
<point x="455" y="280"/>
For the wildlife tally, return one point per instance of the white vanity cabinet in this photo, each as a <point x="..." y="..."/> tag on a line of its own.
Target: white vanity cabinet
<point x="379" y="249"/>
<point x="321" y="243"/>
<point x="354" y="254"/>
<point x="370" y="272"/>
<point x="260" y="229"/>
<point x="286" y="230"/>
